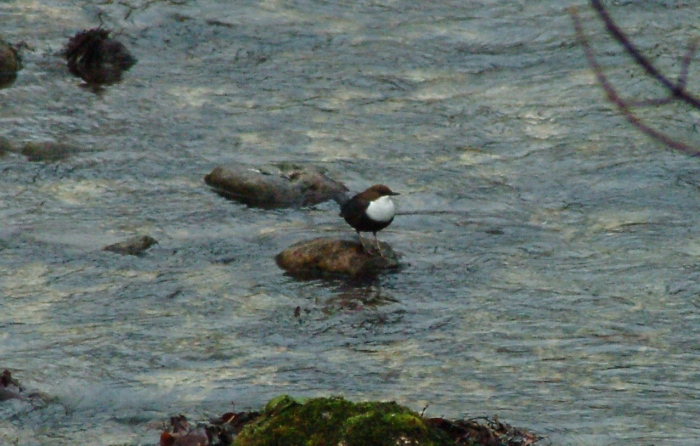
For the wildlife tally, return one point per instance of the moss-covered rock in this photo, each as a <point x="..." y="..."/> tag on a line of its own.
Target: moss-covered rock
<point x="288" y="421"/>
<point x="336" y="421"/>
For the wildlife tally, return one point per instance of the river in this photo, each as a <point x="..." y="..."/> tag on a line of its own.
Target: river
<point x="560" y="291"/>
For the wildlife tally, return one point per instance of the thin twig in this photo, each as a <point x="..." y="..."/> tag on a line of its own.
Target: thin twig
<point x="685" y="63"/>
<point x="650" y="102"/>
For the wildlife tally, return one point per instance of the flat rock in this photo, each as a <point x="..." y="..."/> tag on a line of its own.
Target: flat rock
<point x="332" y="257"/>
<point x="48" y="151"/>
<point x="133" y="246"/>
<point x="279" y="186"/>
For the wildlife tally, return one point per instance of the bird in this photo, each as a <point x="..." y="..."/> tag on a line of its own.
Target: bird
<point x="370" y="211"/>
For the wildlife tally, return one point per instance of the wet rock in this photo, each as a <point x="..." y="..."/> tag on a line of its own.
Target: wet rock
<point x="287" y="420"/>
<point x="224" y="429"/>
<point x="183" y="434"/>
<point x="485" y="431"/>
<point x="5" y="146"/>
<point x="327" y="257"/>
<point x="48" y="151"/>
<point x="10" y="388"/>
<point x="275" y="187"/>
<point x="96" y="58"/>
<point x="10" y="64"/>
<point x="133" y="246"/>
<point x="336" y="421"/>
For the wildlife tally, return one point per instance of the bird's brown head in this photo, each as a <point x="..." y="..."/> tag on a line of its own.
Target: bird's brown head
<point x="378" y="190"/>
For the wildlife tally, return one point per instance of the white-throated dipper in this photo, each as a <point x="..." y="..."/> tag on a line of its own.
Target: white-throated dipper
<point x="370" y="211"/>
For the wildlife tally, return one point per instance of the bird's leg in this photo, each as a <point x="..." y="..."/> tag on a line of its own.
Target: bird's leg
<point x="362" y="242"/>
<point x="376" y="242"/>
<point x="367" y="249"/>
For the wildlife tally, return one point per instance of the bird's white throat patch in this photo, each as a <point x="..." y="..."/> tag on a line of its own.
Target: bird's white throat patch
<point x="381" y="209"/>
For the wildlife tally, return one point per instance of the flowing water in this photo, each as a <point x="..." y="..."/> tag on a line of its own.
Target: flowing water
<point x="560" y="291"/>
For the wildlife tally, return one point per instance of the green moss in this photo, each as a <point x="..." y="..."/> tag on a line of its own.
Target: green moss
<point x="336" y="421"/>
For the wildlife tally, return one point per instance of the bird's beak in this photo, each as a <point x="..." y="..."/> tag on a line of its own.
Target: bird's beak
<point x="395" y="193"/>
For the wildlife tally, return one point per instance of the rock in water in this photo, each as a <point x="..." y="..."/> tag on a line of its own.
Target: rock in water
<point x="133" y="246"/>
<point x="5" y="146"/>
<point x="328" y="257"/>
<point x="48" y="151"/>
<point x="10" y="388"/>
<point x="275" y="187"/>
<point x="10" y="64"/>
<point x="97" y="59"/>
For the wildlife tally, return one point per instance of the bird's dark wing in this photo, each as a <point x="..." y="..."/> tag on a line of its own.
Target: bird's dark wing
<point x="353" y="209"/>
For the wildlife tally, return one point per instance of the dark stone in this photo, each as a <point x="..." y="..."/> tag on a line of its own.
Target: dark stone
<point x="5" y="146"/>
<point x="133" y="246"/>
<point x="10" y="64"/>
<point x="48" y="151"/>
<point x="10" y="388"/>
<point x="332" y="257"/>
<point x="278" y="187"/>
<point x="97" y="59"/>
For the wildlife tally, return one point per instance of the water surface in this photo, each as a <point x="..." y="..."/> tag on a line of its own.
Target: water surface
<point x="561" y="293"/>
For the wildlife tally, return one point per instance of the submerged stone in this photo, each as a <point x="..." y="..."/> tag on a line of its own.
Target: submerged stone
<point x="133" y="246"/>
<point x="48" y="151"/>
<point x="10" y="64"/>
<point x="336" y="421"/>
<point x="5" y="146"/>
<point x="278" y="186"/>
<point x="327" y="257"/>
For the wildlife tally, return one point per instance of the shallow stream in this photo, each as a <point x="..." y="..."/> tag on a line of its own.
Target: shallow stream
<point x="561" y="291"/>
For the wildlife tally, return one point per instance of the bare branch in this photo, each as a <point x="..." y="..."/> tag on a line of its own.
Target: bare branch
<point x="612" y="94"/>
<point x="676" y="90"/>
